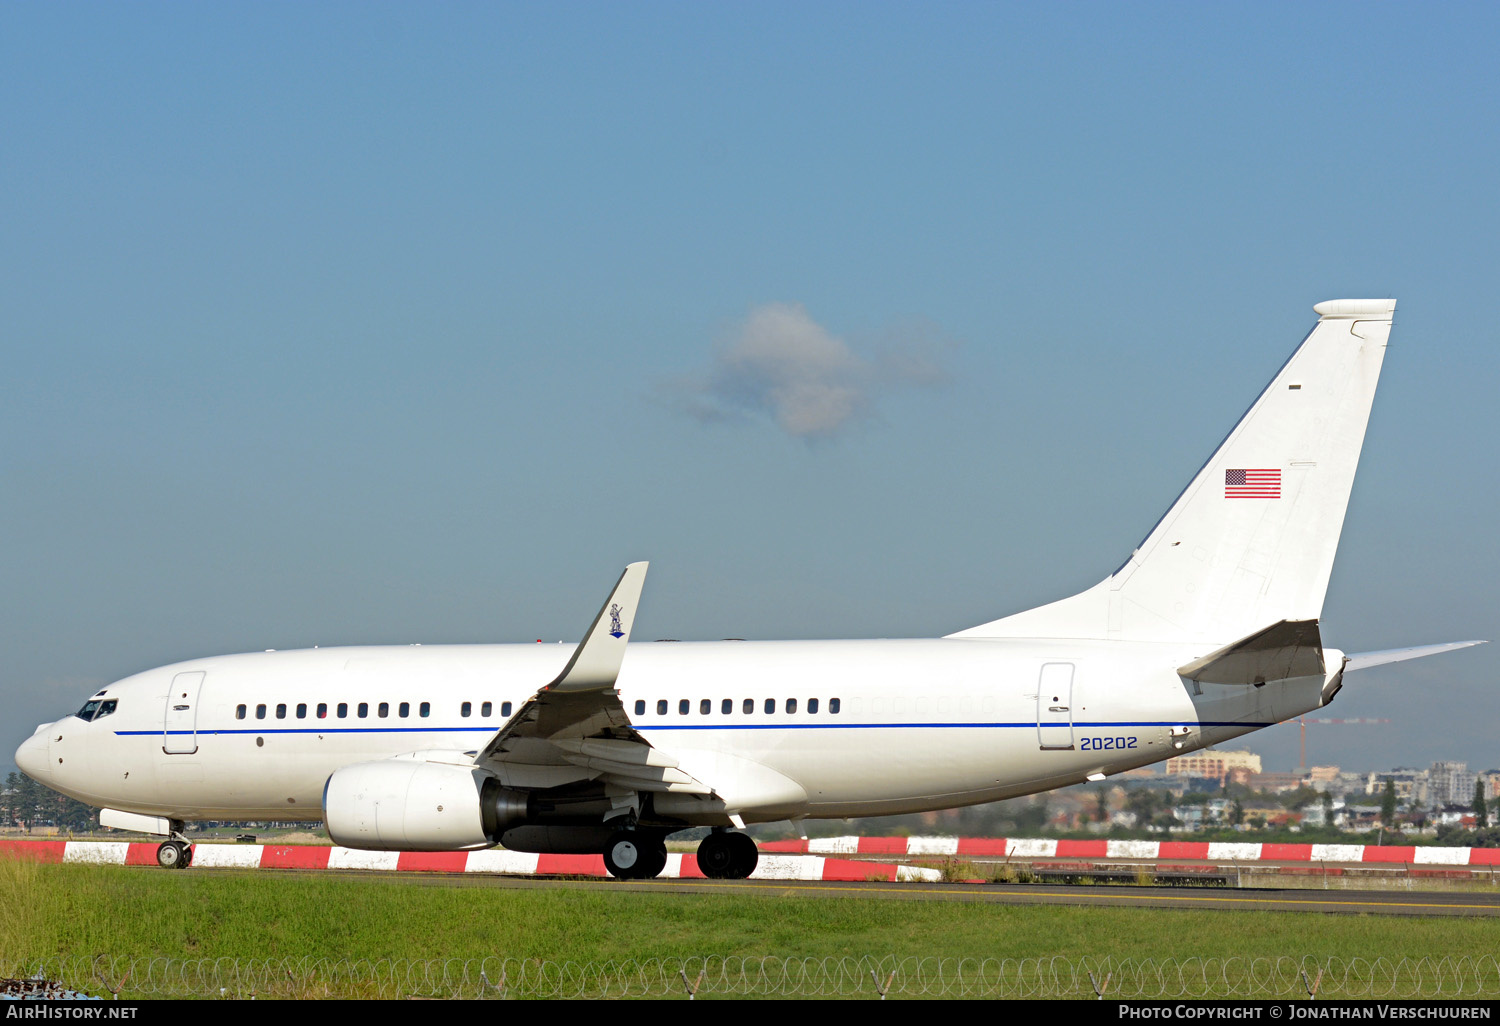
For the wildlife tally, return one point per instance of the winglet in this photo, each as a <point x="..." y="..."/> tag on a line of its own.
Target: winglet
<point x="596" y="661"/>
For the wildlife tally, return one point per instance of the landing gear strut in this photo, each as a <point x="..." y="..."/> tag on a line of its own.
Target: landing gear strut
<point x="726" y="855"/>
<point x="634" y="855"/>
<point x="174" y="855"/>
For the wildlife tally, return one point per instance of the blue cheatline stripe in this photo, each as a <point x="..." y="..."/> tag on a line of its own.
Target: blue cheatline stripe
<point x="1028" y="725"/>
<point x="319" y="730"/>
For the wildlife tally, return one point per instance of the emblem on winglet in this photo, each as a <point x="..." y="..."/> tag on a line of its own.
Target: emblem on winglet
<point x="615" y="630"/>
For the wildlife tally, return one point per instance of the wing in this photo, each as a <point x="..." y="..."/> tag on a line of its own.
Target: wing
<point x="576" y="727"/>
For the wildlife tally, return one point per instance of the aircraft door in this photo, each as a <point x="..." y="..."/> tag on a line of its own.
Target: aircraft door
<point x="1054" y="706"/>
<point x="179" y="733"/>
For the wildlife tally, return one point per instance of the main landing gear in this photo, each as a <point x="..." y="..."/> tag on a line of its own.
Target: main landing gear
<point x="726" y="855"/>
<point x="174" y="855"/>
<point x="635" y="855"/>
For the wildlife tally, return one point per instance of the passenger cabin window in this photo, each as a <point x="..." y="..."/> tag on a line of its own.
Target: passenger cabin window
<point x="383" y="710"/>
<point x="403" y="710"/>
<point x="770" y="705"/>
<point x="484" y="710"/>
<point x="833" y="706"/>
<point x="465" y="709"/>
<point x="425" y="709"/>
<point x="727" y="707"/>
<point x="239" y="712"/>
<point x="683" y="706"/>
<point x="791" y="705"/>
<point x="705" y="707"/>
<point x="812" y="705"/>
<point x="301" y="710"/>
<point x="322" y="710"/>
<point x="281" y="710"/>
<point x="504" y="708"/>
<point x="343" y="710"/>
<point x="640" y="707"/>
<point x="661" y="707"/>
<point x="749" y="706"/>
<point x="260" y="712"/>
<point x="364" y="709"/>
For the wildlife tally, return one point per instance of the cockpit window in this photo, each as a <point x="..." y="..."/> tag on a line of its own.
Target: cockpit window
<point x="96" y="708"/>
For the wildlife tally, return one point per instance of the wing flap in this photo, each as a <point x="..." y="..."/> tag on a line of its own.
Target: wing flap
<point x="616" y="753"/>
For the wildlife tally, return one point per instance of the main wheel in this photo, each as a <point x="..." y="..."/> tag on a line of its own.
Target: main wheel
<point x="745" y="856"/>
<point x="716" y="856"/>
<point x="172" y="855"/>
<point x="653" y="858"/>
<point x="623" y="855"/>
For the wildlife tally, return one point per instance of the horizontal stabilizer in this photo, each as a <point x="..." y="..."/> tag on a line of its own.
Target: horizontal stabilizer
<point x="1365" y="660"/>
<point x="1290" y="648"/>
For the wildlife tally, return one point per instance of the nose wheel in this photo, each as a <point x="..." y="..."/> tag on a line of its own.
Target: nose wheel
<point x="174" y="855"/>
<point x="632" y="855"/>
<point x="727" y="855"/>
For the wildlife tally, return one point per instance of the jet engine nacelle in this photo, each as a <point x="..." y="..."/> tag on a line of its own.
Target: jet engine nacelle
<point x="410" y="805"/>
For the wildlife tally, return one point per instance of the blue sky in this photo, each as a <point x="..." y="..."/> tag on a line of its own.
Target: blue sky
<point x="364" y="323"/>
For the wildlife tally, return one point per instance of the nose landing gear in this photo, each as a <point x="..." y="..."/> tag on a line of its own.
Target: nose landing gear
<point x="174" y="855"/>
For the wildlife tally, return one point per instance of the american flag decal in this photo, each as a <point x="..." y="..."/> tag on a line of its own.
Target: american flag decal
<point x="1252" y="484"/>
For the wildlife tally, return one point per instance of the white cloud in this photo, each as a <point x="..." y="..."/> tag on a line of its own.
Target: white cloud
<point x="782" y="364"/>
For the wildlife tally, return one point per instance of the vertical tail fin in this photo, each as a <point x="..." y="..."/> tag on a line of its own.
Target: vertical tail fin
<point x="1251" y="540"/>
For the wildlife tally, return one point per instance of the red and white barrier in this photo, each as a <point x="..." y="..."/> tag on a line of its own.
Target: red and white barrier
<point x="513" y="863"/>
<point x="780" y="860"/>
<point x="1211" y="851"/>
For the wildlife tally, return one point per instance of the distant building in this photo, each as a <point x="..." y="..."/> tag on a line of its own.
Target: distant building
<point x="1455" y="815"/>
<point x="1322" y="776"/>
<point x="1491" y="780"/>
<point x="1411" y="785"/>
<point x="1450" y="783"/>
<point x="1189" y="817"/>
<point x="1211" y="764"/>
<point x="1268" y="816"/>
<point x="1360" y="818"/>
<point x="1316" y="815"/>
<point x="1347" y="783"/>
<point x="1273" y="782"/>
<point x="1180" y="784"/>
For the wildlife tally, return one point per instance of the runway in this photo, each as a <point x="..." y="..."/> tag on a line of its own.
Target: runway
<point x="1327" y="902"/>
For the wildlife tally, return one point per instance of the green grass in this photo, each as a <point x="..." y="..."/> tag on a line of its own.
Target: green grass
<point x="48" y="910"/>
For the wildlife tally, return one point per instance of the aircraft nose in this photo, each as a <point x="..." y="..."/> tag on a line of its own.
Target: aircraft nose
<point x="31" y="757"/>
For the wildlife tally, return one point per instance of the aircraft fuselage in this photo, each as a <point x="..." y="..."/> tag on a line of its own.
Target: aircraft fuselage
<point x="877" y="728"/>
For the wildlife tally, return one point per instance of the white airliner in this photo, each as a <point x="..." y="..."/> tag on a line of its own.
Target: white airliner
<point x="1209" y="630"/>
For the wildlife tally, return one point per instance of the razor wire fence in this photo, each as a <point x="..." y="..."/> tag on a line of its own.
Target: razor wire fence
<point x="733" y="976"/>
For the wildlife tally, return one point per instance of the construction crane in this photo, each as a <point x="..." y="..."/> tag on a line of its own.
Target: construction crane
<point x="1302" y="723"/>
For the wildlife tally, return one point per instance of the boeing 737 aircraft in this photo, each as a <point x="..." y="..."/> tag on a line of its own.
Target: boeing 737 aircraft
<point x="1209" y="630"/>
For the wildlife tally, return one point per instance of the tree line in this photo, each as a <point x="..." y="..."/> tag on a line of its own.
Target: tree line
<point x="25" y="803"/>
